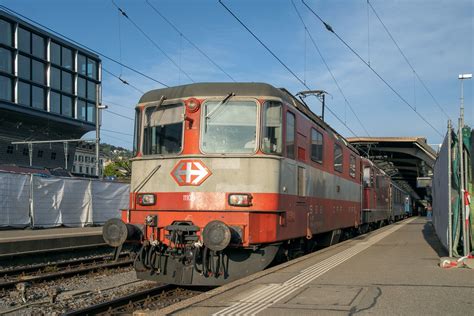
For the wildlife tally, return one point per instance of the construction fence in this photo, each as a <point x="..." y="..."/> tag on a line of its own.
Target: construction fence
<point x="28" y="200"/>
<point x="452" y="187"/>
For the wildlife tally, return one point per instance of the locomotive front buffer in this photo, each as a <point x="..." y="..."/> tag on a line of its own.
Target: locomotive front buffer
<point x="189" y="254"/>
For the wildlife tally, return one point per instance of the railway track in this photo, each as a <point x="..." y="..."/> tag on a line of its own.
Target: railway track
<point x="37" y="273"/>
<point x="128" y="303"/>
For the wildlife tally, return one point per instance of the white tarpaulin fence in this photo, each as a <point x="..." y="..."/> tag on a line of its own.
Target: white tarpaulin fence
<point x="36" y="201"/>
<point x="15" y="199"/>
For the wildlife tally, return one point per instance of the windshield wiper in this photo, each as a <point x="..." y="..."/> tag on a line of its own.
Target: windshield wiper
<point x="162" y="99"/>
<point x="227" y="98"/>
<point x="146" y="179"/>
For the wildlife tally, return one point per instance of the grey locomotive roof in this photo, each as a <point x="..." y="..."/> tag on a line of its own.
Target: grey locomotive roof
<point x="240" y="89"/>
<point x="215" y="89"/>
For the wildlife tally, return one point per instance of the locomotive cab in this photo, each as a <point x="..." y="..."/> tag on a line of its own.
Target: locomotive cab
<point x="206" y="171"/>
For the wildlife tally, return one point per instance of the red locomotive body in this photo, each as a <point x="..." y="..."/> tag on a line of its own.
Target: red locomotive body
<point x="229" y="175"/>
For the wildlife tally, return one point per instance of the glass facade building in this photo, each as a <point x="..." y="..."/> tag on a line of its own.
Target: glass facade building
<point x="45" y="73"/>
<point x="49" y="88"/>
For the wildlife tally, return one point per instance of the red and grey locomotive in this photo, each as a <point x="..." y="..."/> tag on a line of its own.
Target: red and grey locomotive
<point x="228" y="176"/>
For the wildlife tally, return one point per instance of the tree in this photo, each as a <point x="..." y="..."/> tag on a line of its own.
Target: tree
<point x="119" y="169"/>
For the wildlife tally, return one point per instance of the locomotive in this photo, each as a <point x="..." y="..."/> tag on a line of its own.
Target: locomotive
<point x="227" y="177"/>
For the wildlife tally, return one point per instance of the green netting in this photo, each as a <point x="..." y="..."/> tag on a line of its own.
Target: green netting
<point x="467" y="142"/>
<point x="455" y="196"/>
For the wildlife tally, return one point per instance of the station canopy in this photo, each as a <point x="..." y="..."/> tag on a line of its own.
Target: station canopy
<point x="404" y="159"/>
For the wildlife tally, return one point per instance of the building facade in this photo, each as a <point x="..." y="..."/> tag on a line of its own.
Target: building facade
<point x="84" y="161"/>
<point x="48" y="91"/>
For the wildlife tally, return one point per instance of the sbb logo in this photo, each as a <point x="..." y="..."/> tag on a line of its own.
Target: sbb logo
<point x="190" y="172"/>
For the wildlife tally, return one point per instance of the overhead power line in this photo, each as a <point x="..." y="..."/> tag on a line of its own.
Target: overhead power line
<point x="151" y="40"/>
<point x="120" y="40"/>
<point x="282" y="63"/>
<point x="189" y="41"/>
<point x="118" y="114"/>
<point x="106" y="101"/>
<point x="85" y="46"/>
<point x="327" y="67"/>
<point x="125" y="140"/>
<point x="330" y="29"/>
<point x="407" y="61"/>
<point x="111" y="131"/>
<point x="125" y="82"/>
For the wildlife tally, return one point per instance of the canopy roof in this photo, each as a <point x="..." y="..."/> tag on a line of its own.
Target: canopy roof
<point x="402" y="158"/>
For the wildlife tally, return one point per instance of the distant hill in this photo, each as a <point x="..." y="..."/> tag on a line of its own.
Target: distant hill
<point x="115" y="153"/>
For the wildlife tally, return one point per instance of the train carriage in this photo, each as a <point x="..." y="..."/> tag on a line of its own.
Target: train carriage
<point x="227" y="176"/>
<point x="398" y="202"/>
<point x="376" y="206"/>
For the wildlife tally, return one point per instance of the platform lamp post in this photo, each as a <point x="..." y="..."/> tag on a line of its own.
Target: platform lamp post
<point x="465" y="228"/>
<point x="98" y="107"/>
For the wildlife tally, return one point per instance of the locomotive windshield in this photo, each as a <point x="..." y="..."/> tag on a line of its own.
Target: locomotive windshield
<point x="163" y="133"/>
<point x="229" y="127"/>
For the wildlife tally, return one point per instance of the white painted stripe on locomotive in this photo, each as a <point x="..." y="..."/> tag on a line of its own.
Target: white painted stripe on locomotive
<point x="263" y="298"/>
<point x="248" y="174"/>
<point x="318" y="183"/>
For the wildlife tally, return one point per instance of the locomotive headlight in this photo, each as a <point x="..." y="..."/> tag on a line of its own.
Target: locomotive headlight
<point x="146" y="199"/>
<point x="193" y="104"/>
<point x="240" y="199"/>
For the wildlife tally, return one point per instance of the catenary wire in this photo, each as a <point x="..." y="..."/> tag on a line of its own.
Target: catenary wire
<point x="85" y="46"/>
<point x="368" y="33"/>
<point x="118" y="114"/>
<point x="151" y="40"/>
<point x="126" y="140"/>
<point x="125" y="82"/>
<point x="407" y="61"/>
<point x="111" y="131"/>
<point x="107" y="101"/>
<point x="189" y="41"/>
<point x="329" y="69"/>
<point x="330" y="29"/>
<point x="120" y="40"/>
<point x="283" y="64"/>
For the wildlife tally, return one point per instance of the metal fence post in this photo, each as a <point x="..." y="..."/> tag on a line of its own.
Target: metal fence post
<point x="91" y="214"/>
<point x="31" y="207"/>
<point x="450" y="211"/>
<point x="461" y="189"/>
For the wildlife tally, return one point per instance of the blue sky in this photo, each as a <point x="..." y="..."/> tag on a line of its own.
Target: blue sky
<point x="436" y="36"/>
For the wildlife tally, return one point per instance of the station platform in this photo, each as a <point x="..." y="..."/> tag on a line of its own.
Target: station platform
<point x="391" y="271"/>
<point x="29" y="241"/>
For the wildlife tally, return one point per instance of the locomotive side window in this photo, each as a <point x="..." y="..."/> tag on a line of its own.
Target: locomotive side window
<point x="338" y="158"/>
<point x="229" y="127"/>
<point x="271" y="141"/>
<point x="301" y="181"/>
<point x="367" y="177"/>
<point x="290" y="135"/>
<point x="136" y="138"/>
<point x="352" y="166"/>
<point x="163" y="133"/>
<point x="316" y="146"/>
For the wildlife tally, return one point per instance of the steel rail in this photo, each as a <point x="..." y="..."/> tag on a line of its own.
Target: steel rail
<point x="50" y="265"/>
<point x="109" y="306"/>
<point x="66" y="272"/>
